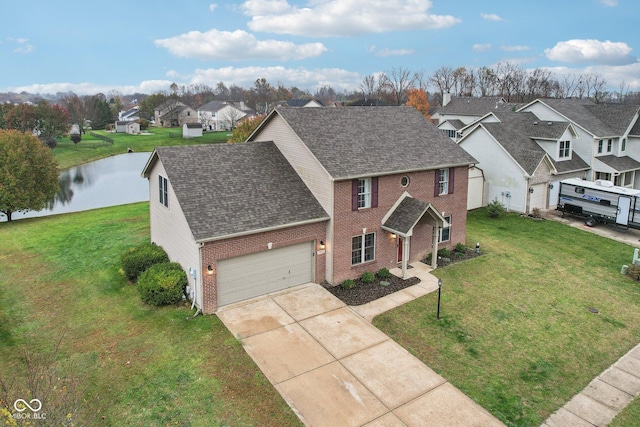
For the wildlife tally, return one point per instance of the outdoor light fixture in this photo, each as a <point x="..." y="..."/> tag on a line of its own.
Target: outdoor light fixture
<point x="321" y="244"/>
<point x="478" y="247"/>
<point x="209" y="270"/>
<point x="393" y="235"/>
<point x="531" y="190"/>
<point x="269" y="245"/>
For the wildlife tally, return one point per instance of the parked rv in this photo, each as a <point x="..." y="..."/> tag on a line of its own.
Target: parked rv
<point x="600" y="201"/>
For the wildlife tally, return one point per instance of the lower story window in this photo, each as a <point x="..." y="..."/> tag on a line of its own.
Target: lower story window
<point x="363" y="248"/>
<point x="445" y="232"/>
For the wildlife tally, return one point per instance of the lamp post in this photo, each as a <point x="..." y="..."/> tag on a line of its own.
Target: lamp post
<point x="439" y="292"/>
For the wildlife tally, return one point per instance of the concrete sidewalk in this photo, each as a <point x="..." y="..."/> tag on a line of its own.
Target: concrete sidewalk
<point x="334" y="368"/>
<point x="604" y="397"/>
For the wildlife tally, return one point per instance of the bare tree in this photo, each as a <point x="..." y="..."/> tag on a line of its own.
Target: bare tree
<point x="397" y="82"/>
<point x="230" y="117"/>
<point x="486" y="81"/>
<point x="421" y="80"/>
<point x="370" y="87"/>
<point x="443" y="79"/>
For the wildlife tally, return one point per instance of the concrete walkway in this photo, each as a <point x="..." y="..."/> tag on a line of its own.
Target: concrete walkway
<point x="334" y="368"/>
<point x="604" y="397"/>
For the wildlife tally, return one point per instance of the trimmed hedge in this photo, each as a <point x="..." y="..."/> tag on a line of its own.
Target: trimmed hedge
<point x="162" y="284"/>
<point x="368" y="277"/>
<point x="136" y="260"/>
<point x="384" y="273"/>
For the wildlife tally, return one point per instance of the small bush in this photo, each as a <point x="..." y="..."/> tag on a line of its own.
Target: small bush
<point x="162" y="284"/>
<point x="348" y="284"/>
<point x="444" y="253"/>
<point x="495" y="209"/>
<point x="368" y="277"/>
<point x="461" y="248"/>
<point x="536" y="213"/>
<point x="136" y="260"/>
<point x="633" y="271"/>
<point x="383" y="273"/>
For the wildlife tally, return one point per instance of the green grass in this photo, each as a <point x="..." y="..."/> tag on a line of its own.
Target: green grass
<point x="67" y="154"/>
<point x="629" y="416"/>
<point x="515" y="332"/>
<point x="129" y="363"/>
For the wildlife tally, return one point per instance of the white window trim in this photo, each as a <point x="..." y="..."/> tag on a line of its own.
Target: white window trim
<point x="163" y="190"/>
<point x="561" y="149"/>
<point x="366" y="194"/>
<point x="448" y="219"/>
<point x="363" y="249"/>
<point x="443" y="183"/>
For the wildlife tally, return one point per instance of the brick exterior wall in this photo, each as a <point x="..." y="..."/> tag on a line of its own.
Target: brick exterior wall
<point x="348" y="223"/>
<point x="244" y="245"/>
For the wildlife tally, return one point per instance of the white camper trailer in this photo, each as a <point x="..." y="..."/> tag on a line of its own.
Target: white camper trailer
<point x="600" y="201"/>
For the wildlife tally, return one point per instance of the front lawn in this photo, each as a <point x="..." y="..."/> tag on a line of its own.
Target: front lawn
<point x="67" y="154"/>
<point x="516" y="333"/>
<point x="120" y="361"/>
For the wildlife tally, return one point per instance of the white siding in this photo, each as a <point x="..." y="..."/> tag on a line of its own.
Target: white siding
<point x="170" y="230"/>
<point x="308" y="168"/>
<point x="501" y="172"/>
<point x="475" y="190"/>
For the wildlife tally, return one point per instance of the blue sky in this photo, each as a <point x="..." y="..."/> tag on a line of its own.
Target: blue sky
<point x="142" y="46"/>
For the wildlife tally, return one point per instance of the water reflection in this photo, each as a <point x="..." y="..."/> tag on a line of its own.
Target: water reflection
<point x="107" y="182"/>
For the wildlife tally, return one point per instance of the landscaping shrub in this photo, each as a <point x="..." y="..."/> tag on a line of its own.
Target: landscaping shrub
<point x="633" y="271"/>
<point x="162" y="284"/>
<point x="383" y="273"/>
<point x="348" y="284"/>
<point x="368" y="277"/>
<point x="536" y="213"/>
<point x="461" y="248"/>
<point x="444" y="253"/>
<point x="495" y="209"/>
<point x="138" y="259"/>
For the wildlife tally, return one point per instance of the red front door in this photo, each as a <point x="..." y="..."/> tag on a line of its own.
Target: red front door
<point x="400" y="245"/>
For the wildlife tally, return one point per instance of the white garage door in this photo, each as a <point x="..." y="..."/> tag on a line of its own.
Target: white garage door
<point x="257" y="274"/>
<point x="538" y="197"/>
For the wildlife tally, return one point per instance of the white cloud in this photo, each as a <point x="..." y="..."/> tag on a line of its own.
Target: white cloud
<point x="610" y="3"/>
<point x="390" y="52"/>
<point x="212" y="7"/>
<point x="491" y="17"/>
<point x="580" y="51"/>
<point x="481" y="47"/>
<point x="23" y="45"/>
<point x="518" y="48"/>
<point x="326" y="18"/>
<point x="613" y="75"/>
<point x="236" y="46"/>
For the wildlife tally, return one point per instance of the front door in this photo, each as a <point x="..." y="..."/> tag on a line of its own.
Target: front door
<point x="624" y="205"/>
<point x="400" y="244"/>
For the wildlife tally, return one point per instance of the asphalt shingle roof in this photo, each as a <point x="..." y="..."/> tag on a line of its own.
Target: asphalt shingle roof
<point x="601" y="120"/>
<point x="230" y="189"/>
<point x="476" y="106"/>
<point x="367" y="141"/>
<point x="406" y="215"/>
<point x="621" y="164"/>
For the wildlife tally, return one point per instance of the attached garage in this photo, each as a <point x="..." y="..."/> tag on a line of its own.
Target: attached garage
<point x="264" y="272"/>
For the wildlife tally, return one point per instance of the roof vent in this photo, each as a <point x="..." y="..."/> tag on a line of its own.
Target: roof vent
<point x="535" y="123"/>
<point x="549" y="123"/>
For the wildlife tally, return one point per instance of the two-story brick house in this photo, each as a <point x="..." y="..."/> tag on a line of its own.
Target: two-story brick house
<point x="315" y="194"/>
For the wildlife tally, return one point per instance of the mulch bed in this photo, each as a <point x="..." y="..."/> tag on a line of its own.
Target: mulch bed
<point x="363" y="293"/>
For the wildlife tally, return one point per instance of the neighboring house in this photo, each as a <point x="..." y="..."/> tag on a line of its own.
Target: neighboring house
<point x="304" y="103"/>
<point x="316" y="194"/>
<point x="523" y="158"/>
<point x="608" y="136"/>
<point x="173" y="113"/>
<point x="459" y="111"/>
<point x="191" y="130"/>
<point x="127" y="127"/>
<point x="222" y="115"/>
<point x="130" y="115"/>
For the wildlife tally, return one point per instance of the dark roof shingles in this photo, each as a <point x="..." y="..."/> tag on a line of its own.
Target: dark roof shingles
<point x="406" y="215"/>
<point x="227" y="189"/>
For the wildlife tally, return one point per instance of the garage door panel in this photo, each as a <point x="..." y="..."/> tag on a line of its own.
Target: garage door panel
<point x="538" y="197"/>
<point x="264" y="272"/>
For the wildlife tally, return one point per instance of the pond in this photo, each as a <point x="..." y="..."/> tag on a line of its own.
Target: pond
<point x="107" y="182"/>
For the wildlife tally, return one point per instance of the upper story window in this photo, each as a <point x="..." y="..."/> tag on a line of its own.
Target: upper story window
<point x="609" y="145"/>
<point x="163" y="191"/>
<point x="364" y="193"/>
<point x="623" y="145"/>
<point x="443" y="182"/>
<point x="600" y="146"/>
<point x="451" y="133"/>
<point x="565" y="149"/>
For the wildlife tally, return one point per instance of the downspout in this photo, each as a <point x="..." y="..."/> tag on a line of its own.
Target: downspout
<point x="195" y="284"/>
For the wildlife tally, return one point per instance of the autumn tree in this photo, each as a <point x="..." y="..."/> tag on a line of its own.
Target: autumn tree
<point x="52" y="121"/>
<point x="28" y="173"/>
<point x="418" y="99"/>
<point x="245" y="128"/>
<point x="21" y="117"/>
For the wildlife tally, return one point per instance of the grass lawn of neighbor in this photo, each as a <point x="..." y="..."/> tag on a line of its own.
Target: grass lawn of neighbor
<point x="75" y="334"/>
<point x="91" y="148"/>
<point x="516" y="332"/>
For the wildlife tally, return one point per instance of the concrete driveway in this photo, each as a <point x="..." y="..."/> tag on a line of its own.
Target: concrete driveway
<point x="336" y="369"/>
